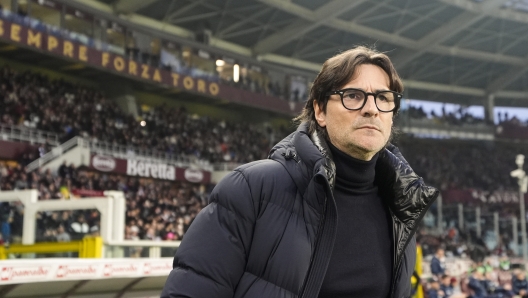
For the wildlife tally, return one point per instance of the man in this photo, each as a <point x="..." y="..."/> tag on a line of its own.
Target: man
<point x="331" y="213"/>
<point x="62" y="236"/>
<point x="476" y="284"/>
<point x="434" y="290"/>
<point x="6" y="218"/>
<point x="438" y="263"/>
<point x="519" y="283"/>
<point x="446" y="286"/>
<point x="79" y="228"/>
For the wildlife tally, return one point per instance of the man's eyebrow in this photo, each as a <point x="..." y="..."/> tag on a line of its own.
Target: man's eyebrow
<point x="375" y="91"/>
<point x="380" y="90"/>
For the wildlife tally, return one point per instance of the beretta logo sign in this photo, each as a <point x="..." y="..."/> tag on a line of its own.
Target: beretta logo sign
<point x="193" y="175"/>
<point x="103" y="163"/>
<point x="150" y="169"/>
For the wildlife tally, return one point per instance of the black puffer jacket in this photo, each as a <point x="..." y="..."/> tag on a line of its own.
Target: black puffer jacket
<point x="270" y="227"/>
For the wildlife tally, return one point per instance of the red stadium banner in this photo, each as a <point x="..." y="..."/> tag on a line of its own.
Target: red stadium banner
<point x="148" y="169"/>
<point x="511" y="131"/>
<point x="44" y="42"/>
<point x="87" y="193"/>
<point x="69" y="49"/>
<point x="15" y="150"/>
<point x="481" y="197"/>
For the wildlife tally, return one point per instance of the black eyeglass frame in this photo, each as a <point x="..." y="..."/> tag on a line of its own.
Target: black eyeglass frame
<point x="397" y="98"/>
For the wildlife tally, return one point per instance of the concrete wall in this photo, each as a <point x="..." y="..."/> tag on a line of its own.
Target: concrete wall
<point x="78" y="156"/>
<point x="128" y="104"/>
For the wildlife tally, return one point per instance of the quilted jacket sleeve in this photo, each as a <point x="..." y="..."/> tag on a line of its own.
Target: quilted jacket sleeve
<point x="212" y="256"/>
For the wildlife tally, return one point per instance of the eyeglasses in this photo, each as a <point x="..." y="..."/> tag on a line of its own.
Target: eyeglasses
<point x="355" y="99"/>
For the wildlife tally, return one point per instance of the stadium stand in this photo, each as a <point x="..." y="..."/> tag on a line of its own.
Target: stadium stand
<point x="163" y="210"/>
<point x="156" y="209"/>
<point x="462" y="164"/>
<point x="69" y="110"/>
<point x="458" y="118"/>
<point x="32" y="100"/>
<point x="182" y="59"/>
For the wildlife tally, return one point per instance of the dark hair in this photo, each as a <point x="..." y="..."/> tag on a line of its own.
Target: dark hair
<point x="339" y="70"/>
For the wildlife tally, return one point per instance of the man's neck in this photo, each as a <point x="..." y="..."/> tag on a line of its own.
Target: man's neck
<point x="353" y="173"/>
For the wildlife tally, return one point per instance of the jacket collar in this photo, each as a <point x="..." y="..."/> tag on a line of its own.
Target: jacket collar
<point x="328" y="165"/>
<point x="404" y="192"/>
<point x="303" y="156"/>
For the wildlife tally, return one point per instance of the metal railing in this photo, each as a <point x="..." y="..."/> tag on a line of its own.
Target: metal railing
<point x="30" y="135"/>
<point x="126" y="152"/>
<point x="35" y="136"/>
<point x="55" y="152"/>
<point x="119" y="151"/>
<point x="430" y="128"/>
<point x="152" y="249"/>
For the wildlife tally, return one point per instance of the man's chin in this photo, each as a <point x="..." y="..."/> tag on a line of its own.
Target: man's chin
<point x="370" y="144"/>
<point x="364" y="151"/>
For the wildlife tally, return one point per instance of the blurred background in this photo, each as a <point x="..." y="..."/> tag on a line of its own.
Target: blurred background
<point x="118" y="117"/>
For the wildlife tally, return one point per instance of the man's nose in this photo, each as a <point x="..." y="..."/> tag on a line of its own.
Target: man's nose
<point x="370" y="107"/>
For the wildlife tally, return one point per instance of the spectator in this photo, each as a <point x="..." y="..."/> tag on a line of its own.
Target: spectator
<point x="62" y="235"/>
<point x="434" y="289"/>
<point x="79" y="228"/>
<point x="6" y="217"/>
<point x="446" y="287"/>
<point x="63" y="170"/>
<point x="475" y="283"/>
<point x="505" y="292"/>
<point x="519" y="283"/>
<point x="438" y="263"/>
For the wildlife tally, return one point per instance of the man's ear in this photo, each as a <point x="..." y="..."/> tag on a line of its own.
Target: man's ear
<point x="320" y="115"/>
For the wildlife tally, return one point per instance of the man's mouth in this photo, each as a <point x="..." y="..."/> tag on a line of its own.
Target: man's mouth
<point x="369" y="127"/>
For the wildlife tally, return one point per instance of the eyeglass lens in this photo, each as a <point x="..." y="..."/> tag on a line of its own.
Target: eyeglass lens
<point x="353" y="99"/>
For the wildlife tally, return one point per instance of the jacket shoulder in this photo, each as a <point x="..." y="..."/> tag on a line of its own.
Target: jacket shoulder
<point x="266" y="174"/>
<point x="250" y="184"/>
<point x="263" y="170"/>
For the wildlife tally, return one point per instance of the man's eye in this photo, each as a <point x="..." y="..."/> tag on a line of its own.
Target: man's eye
<point x="353" y="95"/>
<point x="385" y="97"/>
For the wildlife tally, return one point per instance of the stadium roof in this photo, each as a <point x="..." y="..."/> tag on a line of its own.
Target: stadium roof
<point x="448" y="50"/>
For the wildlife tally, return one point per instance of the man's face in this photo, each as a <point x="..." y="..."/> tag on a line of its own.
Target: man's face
<point x="446" y="281"/>
<point x="362" y="133"/>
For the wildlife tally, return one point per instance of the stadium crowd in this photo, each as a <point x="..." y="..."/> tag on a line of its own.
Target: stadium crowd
<point x="470" y="270"/>
<point x="163" y="210"/>
<point x="155" y="209"/>
<point x="32" y="100"/>
<point x="449" y="164"/>
<point x="170" y="58"/>
<point x="459" y="117"/>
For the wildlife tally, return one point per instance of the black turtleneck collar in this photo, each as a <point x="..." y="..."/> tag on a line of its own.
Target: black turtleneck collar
<point x="353" y="175"/>
<point x="361" y="262"/>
